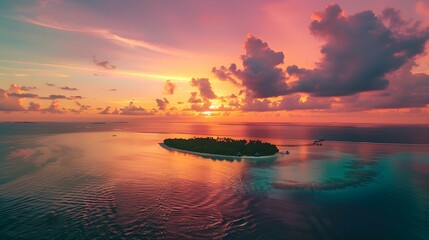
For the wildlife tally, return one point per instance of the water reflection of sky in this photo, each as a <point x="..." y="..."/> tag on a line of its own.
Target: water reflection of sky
<point x="124" y="183"/>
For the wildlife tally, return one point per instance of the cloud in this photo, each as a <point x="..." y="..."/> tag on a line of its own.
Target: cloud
<point x="112" y="90"/>
<point x="200" y="107"/>
<point x="261" y="74"/>
<point x="32" y="106"/>
<point x="294" y="102"/>
<point x="105" y="111"/>
<point x="82" y="107"/>
<point x="11" y="103"/>
<point x="54" y="108"/>
<point x="226" y="74"/>
<point x="169" y="87"/>
<point x="69" y="88"/>
<point x="75" y="98"/>
<point x="50" y="84"/>
<point x="104" y="64"/>
<point x="407" y="90"/>
<point x="204" y="87"/>
<point x="23" y="95"/>
<point x="162" y="103"/>
<point x="131" y="109"/>
<point x="288" y="103"/>
<point x="54" y="96"/>
<point x="194" y="98"/>
<point x="26" y="88"/>
<point x="359" y="51"/>
<point x="251" y="104"/>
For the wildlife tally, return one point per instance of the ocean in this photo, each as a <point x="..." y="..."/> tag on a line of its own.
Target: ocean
<point x="112" y="180"/>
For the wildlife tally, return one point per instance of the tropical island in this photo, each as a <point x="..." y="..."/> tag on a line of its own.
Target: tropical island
<point x="223" y="146"/>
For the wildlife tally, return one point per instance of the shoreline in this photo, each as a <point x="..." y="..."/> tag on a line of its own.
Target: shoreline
<point x="210" y="155"/>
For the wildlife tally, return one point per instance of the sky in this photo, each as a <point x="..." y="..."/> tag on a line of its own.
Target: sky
<point x="221" y="61"/>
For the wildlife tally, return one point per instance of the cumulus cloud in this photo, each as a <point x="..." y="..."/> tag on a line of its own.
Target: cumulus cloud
<point x="226" y="74"/>
<point x="8" y="102"/>
<point x="32" y="106"/>
<point x="54" y="108"/>
<point x="104" y="64"/>
<point x="200" y="107"/>
<point x="359" y="51"/>
<point x="204" y="87"/>
<point x="194" y="98"/>
<point x="106" y="110"/>
<point x="261" y="74"/>
<point x="288" y="103"/>
<point x="169" y="87"/>
<point x="132" y="109"/>
<point x="294" y="102"/>
<point x="162" y="103"/>
<point x="407" y="90"/>
<point x="82" y="107"/>
<point x="251" y="104"/>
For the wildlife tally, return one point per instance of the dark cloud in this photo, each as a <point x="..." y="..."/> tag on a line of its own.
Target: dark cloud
<point x="359" y="51"/>
<point x="261" y="75"/>
<point x="407" y="90"/>
<point x="169" y="87"/>
<point x="50" y="84"/>
<point x="112" y="90"/>
<point x="69" y="88"/>
<point x="204" y="87"/>
<point x="162" y="103"/>
<point x="104" y="64"/>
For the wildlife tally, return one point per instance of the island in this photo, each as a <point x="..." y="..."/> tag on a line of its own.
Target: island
<point x="222" y="146"/>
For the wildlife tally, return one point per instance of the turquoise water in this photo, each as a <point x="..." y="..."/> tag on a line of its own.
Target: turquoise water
<point x="91" y="181"/>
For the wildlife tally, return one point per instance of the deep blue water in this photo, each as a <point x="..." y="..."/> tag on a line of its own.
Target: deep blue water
<point x="113" y="180"/>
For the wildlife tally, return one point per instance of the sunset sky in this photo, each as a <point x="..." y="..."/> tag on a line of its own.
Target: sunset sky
<point x="196" y="60"/>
